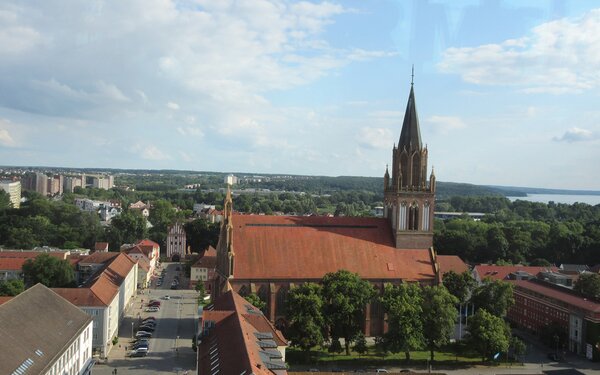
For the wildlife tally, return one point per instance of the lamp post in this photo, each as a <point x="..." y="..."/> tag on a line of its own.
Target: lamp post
<point x="176" y="348"/>
<point x="132" y="330"/>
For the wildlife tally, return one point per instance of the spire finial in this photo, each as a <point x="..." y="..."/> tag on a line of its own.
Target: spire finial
<point x="412" y="78"/>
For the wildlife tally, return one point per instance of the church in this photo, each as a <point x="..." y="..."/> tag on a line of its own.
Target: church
<point x="268" y="255"/>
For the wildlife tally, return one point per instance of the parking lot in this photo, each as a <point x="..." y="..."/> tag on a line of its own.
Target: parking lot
<point x="170" y="347"/>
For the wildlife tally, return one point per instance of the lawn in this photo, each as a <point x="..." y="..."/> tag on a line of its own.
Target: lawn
<point x="445" y="356"/>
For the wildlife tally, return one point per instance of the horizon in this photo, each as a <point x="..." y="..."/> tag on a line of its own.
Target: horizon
<point x="506" y="91"/>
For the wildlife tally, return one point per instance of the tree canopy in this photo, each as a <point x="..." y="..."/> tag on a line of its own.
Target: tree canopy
<point x="346" y="296"/>
<point x="495" y="296"/>
<point x="12" y="287"/>
<point x="304" y="309"/>
<point x="439" y="316"/>
<point x="459" y="285"/>
<point x="588" y="284"/>
<point x="488" y="333"/>
<point x="50" y="271"/>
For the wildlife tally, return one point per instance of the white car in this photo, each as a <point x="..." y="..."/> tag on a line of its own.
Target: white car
<point x="152" y="309"/>
<point x="166" y="297"/>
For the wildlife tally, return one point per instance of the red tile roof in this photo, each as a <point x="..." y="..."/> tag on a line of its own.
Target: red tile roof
<point x="99" y="257"/>
<point x="502" y="272"/>
<point x="101" y="246"/>
<point x="234" y="336"/>
<point x="14" y="260"/>
<point x="148" y="247"/>
<point x="291" y="247"/>
<point x="563" y="297"/>
<point x="451" y="263"/>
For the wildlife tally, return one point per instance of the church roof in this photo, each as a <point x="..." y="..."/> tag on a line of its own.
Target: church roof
<point x="411" y="134"/>
<point x="298" y="247"/>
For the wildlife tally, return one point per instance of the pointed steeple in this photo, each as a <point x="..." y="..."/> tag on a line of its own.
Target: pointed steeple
<point x="411" y="134"/>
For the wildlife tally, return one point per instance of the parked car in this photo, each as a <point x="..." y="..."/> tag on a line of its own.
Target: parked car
<point x="154" y="304"/>
<point x="151" y="309"/>
<point x="141" y="340"/>
<point x="135" y="353"/>
<point x="143" y="334"/>
<point x="166" y="298"/>
<point x="140" y="345"/>
<point x="381" y="371"/>
<point x="173" y="286"/>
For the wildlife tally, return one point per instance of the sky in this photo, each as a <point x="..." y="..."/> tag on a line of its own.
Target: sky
<point x="507" y="92"/>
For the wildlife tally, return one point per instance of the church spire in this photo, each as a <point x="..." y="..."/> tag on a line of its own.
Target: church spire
<point x="411" y="134"/>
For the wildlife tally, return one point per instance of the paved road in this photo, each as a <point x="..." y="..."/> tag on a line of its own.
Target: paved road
<point x="176" y="317"/>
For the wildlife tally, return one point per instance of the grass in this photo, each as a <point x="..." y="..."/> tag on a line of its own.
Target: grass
<point x="446" y="356"/>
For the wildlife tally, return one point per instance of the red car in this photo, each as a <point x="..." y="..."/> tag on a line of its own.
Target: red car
<point x="154" y="304"/>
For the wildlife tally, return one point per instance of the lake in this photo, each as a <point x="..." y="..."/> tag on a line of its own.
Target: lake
<point x="560" y="198"/>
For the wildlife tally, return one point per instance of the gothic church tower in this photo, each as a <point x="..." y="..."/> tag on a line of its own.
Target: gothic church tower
<point x="409" y="198"/>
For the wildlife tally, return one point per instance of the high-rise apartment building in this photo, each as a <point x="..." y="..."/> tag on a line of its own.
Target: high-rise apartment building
<point x="13" y="189"/>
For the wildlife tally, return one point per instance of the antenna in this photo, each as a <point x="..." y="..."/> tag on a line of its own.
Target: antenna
<point x="412" y="79"/>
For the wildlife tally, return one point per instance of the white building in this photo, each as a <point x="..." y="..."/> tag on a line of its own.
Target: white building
<point x="231" y="180"/>
<point x="105" y="297"/>
<point x="13" y="189"/>
<point x="176" y="241"/>
<point x="42" y="333"/>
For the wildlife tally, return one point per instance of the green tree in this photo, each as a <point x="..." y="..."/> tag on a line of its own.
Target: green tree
<point x="335" y="347"/>
<point x="48" y="270"/>
<point x="588" y="284"/>
<point x="255" y="301"/>
<point x="495" y="296"/>
<point x="346" y="296"/>
<point x="201" y="290"/>
<point x="4" y="200"/>
<point x="439" y="316"/>
<point x="200" y="233"/>
<point x="129" y="227"/>
<point x="360" y="344"/>
<point x="459" y="285"/>
<point x="403" y="304"/>
<point x="304" y="312"/>
<point x="488" y="334"/>
<point x="11" y="287"/>
<point x="518" y="346"/>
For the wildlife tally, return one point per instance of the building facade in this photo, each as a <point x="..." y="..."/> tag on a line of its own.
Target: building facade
<point x="13" y="189"/>
<point x="176" y="241"/>
<point x="55" y="342"/>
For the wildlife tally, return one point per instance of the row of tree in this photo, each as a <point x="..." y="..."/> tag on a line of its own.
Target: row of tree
<point x="418" y="317"/>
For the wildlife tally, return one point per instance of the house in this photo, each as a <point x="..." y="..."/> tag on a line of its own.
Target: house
<point x="204" y="270"/>
<point x="236" y="338"/>
<point x="141" y="207"/>
<point x="145" y="270"/>
<point x="101" y="246"/>
<point x="56" y="339"/>
<point x="105" y="296"/>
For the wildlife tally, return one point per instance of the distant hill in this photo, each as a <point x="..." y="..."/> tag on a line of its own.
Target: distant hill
<point x="530" y="190"/>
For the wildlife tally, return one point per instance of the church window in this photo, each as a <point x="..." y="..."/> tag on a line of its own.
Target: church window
<point x="403" y="216"/>
<point x="413" y="217"/>
<point x="280" y="301"/>
<point x="426" y="216"/>
<point x="416" y="170"/>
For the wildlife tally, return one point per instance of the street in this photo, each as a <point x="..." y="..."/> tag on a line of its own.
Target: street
<point x="170" y="348"/>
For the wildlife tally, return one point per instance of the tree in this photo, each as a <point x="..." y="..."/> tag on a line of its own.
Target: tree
<point x="488" y="334"/>
<point x="335" y="347"/>
<point x="439" y="316"/>
<point x="4" y="200"/>
<point x="403" y="304"/>
<point x="346" y="296"/>
<point x="256" y="301"/>
<point x="201" y="290"/>
<point x="304" y="307"/>
<point x="360" y="344"/>
<point x="459" y="285"/>
<point x="129" y="227"/>
<point x="588" y="284"/>
<point x="12" y="287"/>
<point x="518" y="346"/>
<point x="495" y="296"/>
<point x="200" y="233"/>
<point x="48" y="270"/>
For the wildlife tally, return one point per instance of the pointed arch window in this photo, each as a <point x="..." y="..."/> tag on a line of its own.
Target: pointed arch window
<point x="403" y="216"/>
<point x="280" y="300"/>
<point x="413" y="216"/>
<point x="426" y="216"/>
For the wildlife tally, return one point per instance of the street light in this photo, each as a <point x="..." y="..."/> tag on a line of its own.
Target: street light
<point x="132" y="330"/>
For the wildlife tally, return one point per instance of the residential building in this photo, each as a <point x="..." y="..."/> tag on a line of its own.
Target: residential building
<point x="539" y="303"/>
<point x="236" y="338"/>
<point x="145" y="270"/>
<point x="71" y="182"/>
<point x="176" y="242"/>
<point x="516" y="272"/>
<point x="267" y="255"/>
<point x="105" y="296"/>
<point x="42" y="333"/>
<point x="204" y="270"/>
<point x="152" y="251"/>
<point x="141" y="207"/>
<point x="13" y="189"/>
<point x="101" y="247"/>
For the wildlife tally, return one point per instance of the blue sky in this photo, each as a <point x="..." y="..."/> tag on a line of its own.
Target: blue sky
<point x="507" y="91"/>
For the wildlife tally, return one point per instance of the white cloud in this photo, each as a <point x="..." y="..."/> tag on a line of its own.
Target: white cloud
<point x="560" y="56"/>
<point x="445" y="124"/>
<point x="190" y="131"/>
<point x="150" y="152"/>
<point x="577" y="135"/>
<point x="173" y="106"/>
<point x="374" y="138"/>
<point x="6" y="138"/>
